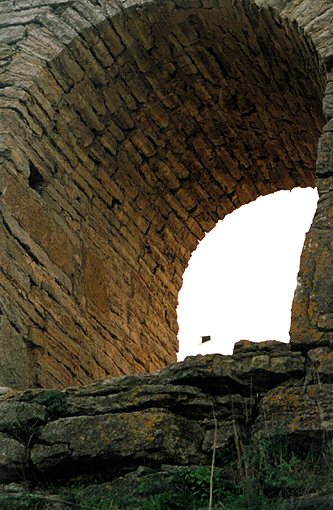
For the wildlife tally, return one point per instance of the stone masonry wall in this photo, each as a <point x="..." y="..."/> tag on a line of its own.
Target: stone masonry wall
<point x="126" y="132"/>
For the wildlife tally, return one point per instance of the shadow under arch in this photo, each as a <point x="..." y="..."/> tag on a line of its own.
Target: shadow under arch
<point x="146" y="126"/>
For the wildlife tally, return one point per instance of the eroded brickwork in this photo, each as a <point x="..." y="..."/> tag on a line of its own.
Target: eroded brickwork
<point x="126" y="132"/>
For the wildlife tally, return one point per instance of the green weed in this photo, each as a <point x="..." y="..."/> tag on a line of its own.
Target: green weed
<point x="269" y="473"/>
<point x="24" y="502"/>
<point x="55" y="403"/>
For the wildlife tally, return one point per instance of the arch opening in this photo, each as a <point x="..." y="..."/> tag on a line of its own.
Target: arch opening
<point x="241" y="279"/>
<point x="147" y="130"/>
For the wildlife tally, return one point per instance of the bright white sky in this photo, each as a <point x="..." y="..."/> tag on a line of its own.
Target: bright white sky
<point x="241" y="279"/>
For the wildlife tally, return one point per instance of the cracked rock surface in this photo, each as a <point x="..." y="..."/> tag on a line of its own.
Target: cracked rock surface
<point x="116" y="425"/>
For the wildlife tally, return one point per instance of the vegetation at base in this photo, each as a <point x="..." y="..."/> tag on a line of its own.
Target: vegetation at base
<point x="55" y="403"/>
<point x="23" y="502"/>
<point x="267" y="474"/>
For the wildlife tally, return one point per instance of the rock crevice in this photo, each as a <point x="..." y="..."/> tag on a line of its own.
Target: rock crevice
<point x="168" y="417"/>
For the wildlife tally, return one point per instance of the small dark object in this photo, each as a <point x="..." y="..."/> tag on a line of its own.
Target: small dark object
<point x="205" y="338"/>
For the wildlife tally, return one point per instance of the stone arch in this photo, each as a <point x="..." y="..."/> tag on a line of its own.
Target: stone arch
<point x="127" y="132"/>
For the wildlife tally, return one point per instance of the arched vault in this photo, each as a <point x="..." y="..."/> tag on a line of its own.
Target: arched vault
<point x="127" y="130"/>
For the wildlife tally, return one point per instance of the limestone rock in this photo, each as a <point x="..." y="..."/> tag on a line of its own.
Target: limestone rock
<point x="20" y="416"/>
<point x="13" y="459"/>
<point x="153" y="436"/>
<point x="256" y="347"/>
<point x="245" y="371"/>
<point x="320" y="365"/>
<point x="4" y="390"/>
<point x="175" y="416"/>
<point x="304" y="410"/>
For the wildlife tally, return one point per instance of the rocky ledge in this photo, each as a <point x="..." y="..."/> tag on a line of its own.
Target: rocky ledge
<point x="176" y="417"/>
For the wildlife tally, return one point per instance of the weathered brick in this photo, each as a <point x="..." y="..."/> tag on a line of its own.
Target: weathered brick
<point x="126" y="133"/>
